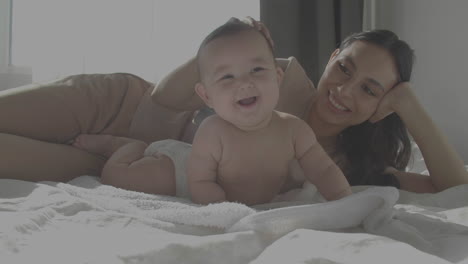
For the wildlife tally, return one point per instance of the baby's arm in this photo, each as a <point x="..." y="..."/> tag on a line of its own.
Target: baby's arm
<point x="202" y="165"/>
<point x="318" y="167"/>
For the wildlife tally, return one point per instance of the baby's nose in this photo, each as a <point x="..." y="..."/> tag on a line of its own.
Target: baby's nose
<point x="245" y="83"/>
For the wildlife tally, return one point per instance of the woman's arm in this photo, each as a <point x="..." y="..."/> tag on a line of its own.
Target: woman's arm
<point x="445" y="166"/>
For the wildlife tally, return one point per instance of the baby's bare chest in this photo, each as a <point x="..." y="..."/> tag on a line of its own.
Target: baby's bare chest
<point x="255" y="169"/>
<point x="264" y="152"/>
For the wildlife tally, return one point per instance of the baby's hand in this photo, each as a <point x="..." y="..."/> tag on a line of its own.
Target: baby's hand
<point x="206" y="192"/>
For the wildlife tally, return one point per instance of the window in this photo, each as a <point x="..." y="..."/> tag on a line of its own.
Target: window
<point x="145" y="37"/>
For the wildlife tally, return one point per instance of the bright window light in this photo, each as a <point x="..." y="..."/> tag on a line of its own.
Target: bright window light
<point x="148" y="38"/>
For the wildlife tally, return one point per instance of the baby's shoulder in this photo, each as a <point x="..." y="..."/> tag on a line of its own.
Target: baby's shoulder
<point x="294" y="124"/>
<point x="209" y="131"/>
<point x="213" y="122"/>
<point x="290" y="119"/>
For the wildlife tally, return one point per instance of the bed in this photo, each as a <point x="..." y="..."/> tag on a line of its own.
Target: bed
<point x="84" y="221"/>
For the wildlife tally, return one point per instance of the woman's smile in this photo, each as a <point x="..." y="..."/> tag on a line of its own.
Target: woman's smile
<point x="336" y="104"/>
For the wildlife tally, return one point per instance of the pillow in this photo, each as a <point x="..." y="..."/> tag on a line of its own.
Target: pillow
<point x="176" y="90"/>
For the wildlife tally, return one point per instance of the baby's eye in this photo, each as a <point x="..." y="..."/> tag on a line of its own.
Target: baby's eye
<point x="258" y="69"/>
<point x="227" y="77"/>
<point x="368" y="90"/>
<point x="344" y="69"/>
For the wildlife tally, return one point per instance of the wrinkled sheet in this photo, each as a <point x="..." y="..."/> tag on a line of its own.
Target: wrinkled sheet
<point x="83" y="221"/>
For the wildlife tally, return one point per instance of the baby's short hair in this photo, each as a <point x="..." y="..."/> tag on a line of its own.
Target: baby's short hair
<point x="231" y="27"/>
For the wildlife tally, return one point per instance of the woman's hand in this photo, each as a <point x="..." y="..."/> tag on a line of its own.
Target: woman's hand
<point x="396" y="100"/>
<point x="445" y="166"/>
<point x="260" y="27"/>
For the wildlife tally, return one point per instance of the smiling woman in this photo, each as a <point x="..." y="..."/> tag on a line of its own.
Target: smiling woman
<point x="356" y="79"/>
<point x="57" y="38"/>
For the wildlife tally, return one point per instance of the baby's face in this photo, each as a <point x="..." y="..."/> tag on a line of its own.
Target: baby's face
<point x="240" y="79"/>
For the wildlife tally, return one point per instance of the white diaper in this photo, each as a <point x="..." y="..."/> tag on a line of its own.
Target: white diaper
<point x="178" y="152"/>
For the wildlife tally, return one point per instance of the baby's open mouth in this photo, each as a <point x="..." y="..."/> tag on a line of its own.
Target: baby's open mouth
<point x="248" y="101"/>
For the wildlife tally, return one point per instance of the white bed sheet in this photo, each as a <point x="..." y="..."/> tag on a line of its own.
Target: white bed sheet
<point x="84" y="221"/>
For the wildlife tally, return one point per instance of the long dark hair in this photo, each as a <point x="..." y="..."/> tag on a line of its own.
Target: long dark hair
<point x="372" y="147"/>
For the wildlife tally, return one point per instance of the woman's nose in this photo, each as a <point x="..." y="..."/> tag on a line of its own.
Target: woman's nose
<point x="344" y="89"/>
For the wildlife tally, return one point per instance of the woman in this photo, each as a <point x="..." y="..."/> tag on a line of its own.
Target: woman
<point x="364" y="107"/>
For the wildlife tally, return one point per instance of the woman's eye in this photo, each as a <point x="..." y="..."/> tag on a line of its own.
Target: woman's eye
<point x="368" y="90"/>
<point x="258" y="69"/>
<point x="343" y="68"/>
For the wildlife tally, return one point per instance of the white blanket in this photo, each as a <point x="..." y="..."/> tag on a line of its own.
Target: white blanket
<point x="85" y="222"/>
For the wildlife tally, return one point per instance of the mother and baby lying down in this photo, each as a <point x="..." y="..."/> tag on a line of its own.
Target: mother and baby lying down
<point x="352" y="130"/>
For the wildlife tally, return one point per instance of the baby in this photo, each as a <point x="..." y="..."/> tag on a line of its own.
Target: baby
<point x="241" y="153"/>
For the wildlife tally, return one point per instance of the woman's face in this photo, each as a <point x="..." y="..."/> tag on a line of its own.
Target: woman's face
<point x="353" y="83"/>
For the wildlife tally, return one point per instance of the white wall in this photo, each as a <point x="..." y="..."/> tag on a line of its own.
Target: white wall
<point x="438" y="32"/>
<point x="56" y="38"/>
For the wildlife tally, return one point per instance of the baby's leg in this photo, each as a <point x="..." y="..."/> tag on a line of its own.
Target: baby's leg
<point x="129" y="169"/>
<point x="104" y="145"/>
